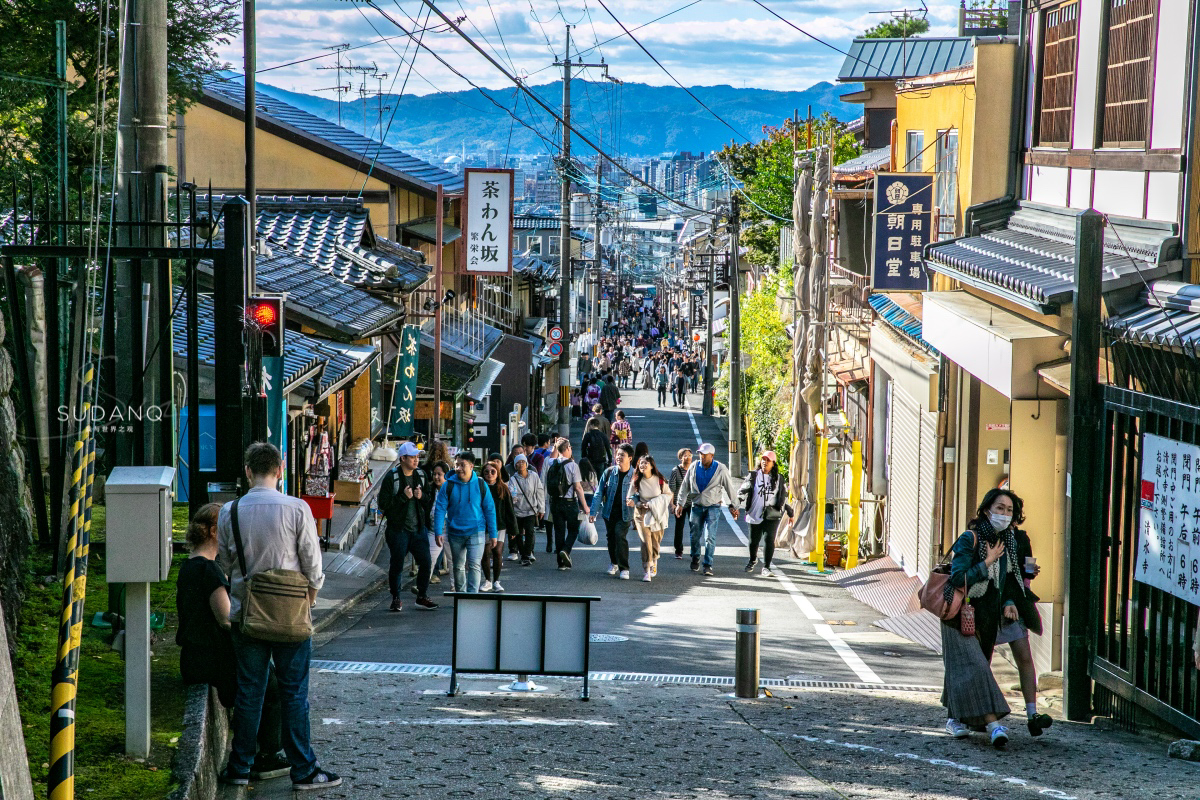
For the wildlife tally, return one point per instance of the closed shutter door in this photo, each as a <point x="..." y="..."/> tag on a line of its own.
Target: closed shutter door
<point x="926" y="491"/>
<point x="904" y="478"/>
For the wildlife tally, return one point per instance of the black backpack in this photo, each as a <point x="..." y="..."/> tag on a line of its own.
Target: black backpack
<point x="556" y="480"/>
<point x="389" y="496"/>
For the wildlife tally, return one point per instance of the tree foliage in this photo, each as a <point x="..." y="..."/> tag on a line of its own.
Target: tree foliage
<point x="764" y="168"/>
<point x="194" y="30"/>
<point x="897" y="28"/>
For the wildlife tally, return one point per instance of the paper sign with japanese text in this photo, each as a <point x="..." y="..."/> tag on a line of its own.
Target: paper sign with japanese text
<point x="404" y="396"/>
<point x="487" y="212"/>
<point x="1168" y="546"/>
<point x="903" y="221"/>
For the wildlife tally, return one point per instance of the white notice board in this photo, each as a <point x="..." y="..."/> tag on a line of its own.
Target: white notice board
<point x="1168" y="554"/>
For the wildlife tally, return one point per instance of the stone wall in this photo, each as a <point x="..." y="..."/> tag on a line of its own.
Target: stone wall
<point x="16" y="506"/>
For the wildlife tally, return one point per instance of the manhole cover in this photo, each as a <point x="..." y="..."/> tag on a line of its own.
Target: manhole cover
<point x="607" y="637"/>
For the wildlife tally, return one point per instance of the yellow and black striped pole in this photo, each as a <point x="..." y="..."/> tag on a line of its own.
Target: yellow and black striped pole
<point x="61" y="778"/>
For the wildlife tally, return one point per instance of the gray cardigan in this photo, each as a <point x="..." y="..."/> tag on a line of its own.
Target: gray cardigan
<point x="721" y="484"/>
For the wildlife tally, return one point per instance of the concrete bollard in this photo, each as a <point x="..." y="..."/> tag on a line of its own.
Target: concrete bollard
<point x="745" y="682"/>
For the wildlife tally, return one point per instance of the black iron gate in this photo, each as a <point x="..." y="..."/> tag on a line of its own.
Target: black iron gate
<point x="1142" y="638"/>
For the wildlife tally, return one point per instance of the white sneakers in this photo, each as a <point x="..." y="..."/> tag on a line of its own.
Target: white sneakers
<point x="624" y="575"/>
<point x="612" y="569"/>
<point x="513" y="557"/>
<point x="999" y="736"/>
<point x="957" y="729"/>
<point x="486" y="586"/>
<point x="496" y="587"/>
<point x="766" y="573"/>
<point x="647" y="576"/>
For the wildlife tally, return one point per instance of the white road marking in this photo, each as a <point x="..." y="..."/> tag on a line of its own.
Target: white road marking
<point x="518" y="722"/>
<point x="844" y="651"/>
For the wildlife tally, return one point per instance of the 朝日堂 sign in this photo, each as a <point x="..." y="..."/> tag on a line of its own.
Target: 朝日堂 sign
<point x="903" y="218"/>
<point x="1168" y="547"/>
<point x="487" y="221"/>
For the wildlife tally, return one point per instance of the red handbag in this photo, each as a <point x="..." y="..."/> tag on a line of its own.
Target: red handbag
<point x="933" y="595"/>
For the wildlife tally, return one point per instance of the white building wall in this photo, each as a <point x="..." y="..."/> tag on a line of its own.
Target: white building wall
<point x="1048" y="185"/>
<point x="1170" y="75"/>
<point x="1081" y="189"/>
<point x="1121" y="193"/>
<point x="1163" y="196"/>
<point x="1091" y="21"/>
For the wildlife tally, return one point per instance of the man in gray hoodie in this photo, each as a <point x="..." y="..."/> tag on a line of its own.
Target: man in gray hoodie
<point x="706" y="486"/>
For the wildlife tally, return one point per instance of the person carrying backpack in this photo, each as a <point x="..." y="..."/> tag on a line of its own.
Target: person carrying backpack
<point x="464" y="516"/>
<point x="564" y="490"/>
<point x="402" y="501"/>
<point x="595" y="446"/>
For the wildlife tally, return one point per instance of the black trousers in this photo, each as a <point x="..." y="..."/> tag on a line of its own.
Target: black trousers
<point x="525" y="536"/>
<point x="400" y="543"/>
<point x="763" y="532"/>
<point x="662" y="395"/>
<point x="617" y="533"/>
<point x="681" y="523"/>
<point x="566" y="524"/>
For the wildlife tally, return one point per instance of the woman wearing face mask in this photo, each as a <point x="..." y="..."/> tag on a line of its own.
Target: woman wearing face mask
<point x="987" y="560"/>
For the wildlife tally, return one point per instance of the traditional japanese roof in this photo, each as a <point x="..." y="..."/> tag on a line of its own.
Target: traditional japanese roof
<point x="304" y="358"/>
<point x="468" y="339"/>
<point x="534" y="267"/>
<point x="456" y="374"/>
<point x="1027" y="255"/>
<point x="893" y="59"/>
<point x="1167" y="315"/>
<point x="527" y="222"/>
<point x="869" y="161"/>
<point x="225" y="92"/>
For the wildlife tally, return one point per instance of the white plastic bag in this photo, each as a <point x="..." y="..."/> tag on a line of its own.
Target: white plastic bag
<point x="587" y="532"/>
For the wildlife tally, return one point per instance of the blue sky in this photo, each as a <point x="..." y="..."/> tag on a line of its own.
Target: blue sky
<point x="731" y="42"/>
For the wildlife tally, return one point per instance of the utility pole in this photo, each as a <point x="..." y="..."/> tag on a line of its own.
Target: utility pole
<point x="707" y="407"/>
<point x="142" y="289"/>
<point x="249" y="56"/>
<point x="564" y="252"/>
<point x="566" y="267"/>
<point x="735" y="343"/>
<point x="439" y="221"/>
<point x="598" y="250"/>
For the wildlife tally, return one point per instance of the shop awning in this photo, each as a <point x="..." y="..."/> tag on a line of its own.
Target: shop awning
<point x="481" y="386"/>
<point x="425" y="229"/>
<point x="1026" y="254"/>
<point x="999" y="347"/>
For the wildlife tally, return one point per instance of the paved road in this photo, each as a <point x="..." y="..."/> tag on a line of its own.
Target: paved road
<point x="682" y="623"/>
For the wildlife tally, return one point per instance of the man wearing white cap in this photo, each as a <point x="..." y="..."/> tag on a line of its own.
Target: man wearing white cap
<point x="403" y="500"/>
<point x="707" y="485"/>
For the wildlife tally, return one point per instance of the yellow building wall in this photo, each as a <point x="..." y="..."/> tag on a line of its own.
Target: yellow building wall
<point x="979" y="112"/>
<point x="214" y="154"/>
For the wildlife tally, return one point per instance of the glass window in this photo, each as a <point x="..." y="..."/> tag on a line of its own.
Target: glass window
<point x="946" y="180"/>
<point x="533" y="245"/>
<point x="1059" y="39"/>
<point x="554" y="248"/>
<point x="914" y="149"/>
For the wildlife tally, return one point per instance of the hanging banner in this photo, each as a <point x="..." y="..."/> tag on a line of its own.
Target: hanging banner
<point x="604" y="311"/>
<point x="487" y="211"/>
<point x="696" y="310"/>
<point x="903" y="221"/>
<point x="1168" y="553"/>
<point x="404" y="390"/>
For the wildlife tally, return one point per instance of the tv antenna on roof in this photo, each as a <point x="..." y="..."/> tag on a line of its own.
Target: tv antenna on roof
<point x="338" y="88"/>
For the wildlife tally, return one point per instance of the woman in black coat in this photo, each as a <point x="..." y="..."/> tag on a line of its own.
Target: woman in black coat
<point x="762" y="495"/>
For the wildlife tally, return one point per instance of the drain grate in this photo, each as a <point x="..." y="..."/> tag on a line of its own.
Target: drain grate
<point x="368" y="667"/>
<point x="606" y="638"/>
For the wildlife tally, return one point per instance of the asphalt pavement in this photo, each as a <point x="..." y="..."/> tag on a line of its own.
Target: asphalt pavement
<point x="682" y="623"/>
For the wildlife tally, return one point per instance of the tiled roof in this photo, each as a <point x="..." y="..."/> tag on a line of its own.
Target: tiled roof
<point x="1029" y="258"/>
<point x="869" y="161"/>
<point x="1168" y="315"/>
<point x="534" y="267"/>
<point x="455" y="373"/>
<point x="303" y="354"/>
<point x="892" y="59"/>
<point x="321" y="301"/>
<point x="899" y="318"/>
<point x="389" y="162"/>
<point x="536" y="223"/>
<point x="472" y="349"/>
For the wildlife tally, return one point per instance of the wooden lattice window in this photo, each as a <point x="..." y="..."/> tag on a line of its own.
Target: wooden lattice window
<point x="1129" y="76"/>
<point x="1059" y="41"/>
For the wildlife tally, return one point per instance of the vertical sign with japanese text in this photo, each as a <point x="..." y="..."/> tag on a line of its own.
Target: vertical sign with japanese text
<point x="903" y="218"/>
<point x="405" y="388"/>
<point x="487" y="221"/>
<point x="1168" y="547"/>
<point x="696" y="310"/>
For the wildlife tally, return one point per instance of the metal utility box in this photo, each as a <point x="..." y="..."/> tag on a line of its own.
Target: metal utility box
<point x="139" y="524"/>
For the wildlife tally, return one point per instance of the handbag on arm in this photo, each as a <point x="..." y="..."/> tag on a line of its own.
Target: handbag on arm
<point x="276" y="607"/>
<point x="933" y="594"/>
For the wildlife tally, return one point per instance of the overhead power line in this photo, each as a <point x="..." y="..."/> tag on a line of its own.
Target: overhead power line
<point x="691" y="94"/>
<point x="817" y="39"/>
<point x="547" y="107"/>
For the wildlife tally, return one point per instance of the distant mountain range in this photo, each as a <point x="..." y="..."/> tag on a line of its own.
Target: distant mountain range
<point x="648" y="120"/>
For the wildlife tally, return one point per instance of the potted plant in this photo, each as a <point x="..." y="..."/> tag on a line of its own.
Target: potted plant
<point x="835" y="550"/>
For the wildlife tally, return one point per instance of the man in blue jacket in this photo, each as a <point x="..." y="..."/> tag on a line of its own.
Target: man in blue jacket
<point x="464" y="516"/>
<point x="609" y="502"/>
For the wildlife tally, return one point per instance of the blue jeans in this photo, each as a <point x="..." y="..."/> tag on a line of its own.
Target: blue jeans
<point x="703" y="521"/>
<point x="466" y="553"/>
<point x="254" y="658"/>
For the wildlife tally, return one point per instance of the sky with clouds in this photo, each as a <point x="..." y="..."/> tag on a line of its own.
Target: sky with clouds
<point x="731" y="42"/>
